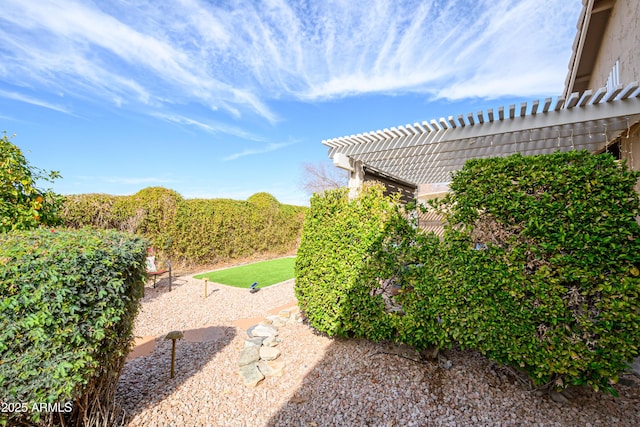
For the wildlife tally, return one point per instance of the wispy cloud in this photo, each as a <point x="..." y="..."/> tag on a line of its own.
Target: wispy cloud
<point x="122" y="54"/>
<point x="12" y="119"/>
<point x="209" y="126"/>
<point x="34" y="101"/>
<point x="237" y="57"/>
<point x="273" y="146"/>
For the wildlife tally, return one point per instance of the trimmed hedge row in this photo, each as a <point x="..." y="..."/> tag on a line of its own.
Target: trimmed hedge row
<point x="193" y="231"/>
<point x="334" y="273"/>
<point x="539" y="268"/>
<point x="68" y="300"/>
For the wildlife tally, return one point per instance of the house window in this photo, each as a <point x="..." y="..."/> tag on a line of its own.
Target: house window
<point x="613" y="79"/>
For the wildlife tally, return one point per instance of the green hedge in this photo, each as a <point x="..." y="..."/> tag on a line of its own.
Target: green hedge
<point x="67" y="309"/>
<point x="334" y="273"/>
<point x="193" y="231"/>
<point x="98" y="210"/>
<point x="556" y="291"/>
<point x="539" y="267"/>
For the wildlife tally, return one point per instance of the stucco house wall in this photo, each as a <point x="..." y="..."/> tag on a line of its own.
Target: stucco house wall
<point x="621" y="40"/>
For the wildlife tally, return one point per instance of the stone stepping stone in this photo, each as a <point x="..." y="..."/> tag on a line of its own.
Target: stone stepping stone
<point x="261" y="330"/>
<point x="255" y="341"/>
<point x="271" y="368"/>
<point x="284" y="313"/>
<point x="249" y="355"/>
<point x="269" y="353"/>
<point x="257" y="358"/>
<point x="271" y="341"/>
<point x="251" y="375"/>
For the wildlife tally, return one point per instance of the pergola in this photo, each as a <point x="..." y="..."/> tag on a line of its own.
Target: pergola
<point x="428" y="152"/>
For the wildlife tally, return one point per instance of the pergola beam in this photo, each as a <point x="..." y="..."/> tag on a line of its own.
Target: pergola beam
<point x="429" y="151"/>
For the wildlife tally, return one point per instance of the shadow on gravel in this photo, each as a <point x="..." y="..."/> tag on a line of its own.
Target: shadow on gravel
<point x="162" y="287"/>
<point x="357" y="383"/>
<point x="145" y="381"/>
<point x="360" y="383"/>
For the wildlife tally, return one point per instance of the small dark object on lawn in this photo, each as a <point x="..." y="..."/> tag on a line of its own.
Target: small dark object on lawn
<point x="254" y="288"/>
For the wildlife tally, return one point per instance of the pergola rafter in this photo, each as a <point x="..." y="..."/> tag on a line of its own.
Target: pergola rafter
<point x="428" y="152"/>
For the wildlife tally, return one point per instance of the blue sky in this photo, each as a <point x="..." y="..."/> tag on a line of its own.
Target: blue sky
<point x="229" y="98"/>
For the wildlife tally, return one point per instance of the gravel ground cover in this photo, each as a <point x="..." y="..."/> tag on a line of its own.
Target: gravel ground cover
<point x="327" y="382"/>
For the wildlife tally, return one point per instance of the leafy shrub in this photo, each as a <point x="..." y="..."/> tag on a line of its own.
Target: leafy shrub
<point x="538" y="268"/>
<point x="68" y="301"/>
<point x="156" y="208"/>
<point x="100" y="211"/>
<point x="193" y="231"/>
<point x="22" y="204"/>
<point x="334" y="274"/>
<point x="213" y="230"/>
<point x="150" y="212"/>
<point x="264" y="201"/>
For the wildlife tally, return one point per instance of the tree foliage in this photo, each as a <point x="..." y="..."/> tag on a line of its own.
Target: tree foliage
<point x="23" y="205"/>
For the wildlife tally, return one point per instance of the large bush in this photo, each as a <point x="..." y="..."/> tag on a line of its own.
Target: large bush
<point x="149" y="212"/>
<point x="538" y="268"/>
<point x="68" y="300"/>
<point x="208" y="231"/>
<point x="193" y="231"/>
<point x="100" y="211"/>
<point x="335" y="277"/>
<point x="22" y="204"/>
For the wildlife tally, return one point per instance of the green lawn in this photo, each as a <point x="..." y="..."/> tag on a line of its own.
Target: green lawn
<point x="264" y="272"/>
